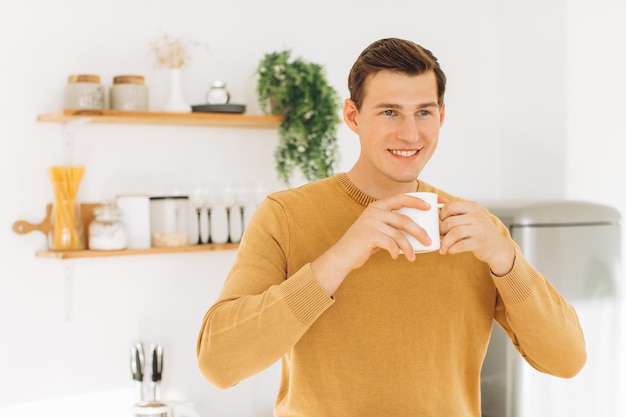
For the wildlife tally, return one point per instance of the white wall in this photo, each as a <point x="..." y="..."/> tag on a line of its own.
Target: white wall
<point x="528" y="115"/>
<point x="596" y="65"/>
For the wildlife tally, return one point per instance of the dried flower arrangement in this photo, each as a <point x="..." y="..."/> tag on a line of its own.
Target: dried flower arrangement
<point x="171" y="52"/>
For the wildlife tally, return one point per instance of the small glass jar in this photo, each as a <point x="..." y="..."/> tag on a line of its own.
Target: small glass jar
<point x="83" y="91"/>
<point x="169" y="221"/>
<point x="66" y="226"/>
<point x="106" y="231"/>
<point x="218" y="94"/>
<point x="129" y="93"/>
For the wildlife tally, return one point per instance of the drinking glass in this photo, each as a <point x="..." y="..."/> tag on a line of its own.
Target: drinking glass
<point x="229" y="199"/>
<point x="199" y="197"/>
<point x="210" y="203"/>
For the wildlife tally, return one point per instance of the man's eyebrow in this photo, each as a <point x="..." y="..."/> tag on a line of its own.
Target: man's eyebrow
<point x="397" y="106"/>
<point x="429" y="104"/>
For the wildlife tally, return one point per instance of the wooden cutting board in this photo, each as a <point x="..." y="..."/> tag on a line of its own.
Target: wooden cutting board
<point x="21" y="227"/>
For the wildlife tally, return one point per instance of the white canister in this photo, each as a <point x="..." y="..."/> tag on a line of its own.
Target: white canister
<point x="136" y="218"/>
<point x="129" y="93"/>
<point x="83" y="91"/>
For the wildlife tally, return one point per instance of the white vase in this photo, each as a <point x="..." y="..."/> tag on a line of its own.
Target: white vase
<point x="176" y="102"/>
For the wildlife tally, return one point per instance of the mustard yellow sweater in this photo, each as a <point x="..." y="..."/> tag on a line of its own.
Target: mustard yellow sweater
<point x="397" y="339"/>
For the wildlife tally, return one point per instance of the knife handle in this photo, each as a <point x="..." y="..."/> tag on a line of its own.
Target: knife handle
<point x="137" y="361"/>
<point x="137" y="364"/>
<point x="157" y="362"/>
<point x="156" y="354"/>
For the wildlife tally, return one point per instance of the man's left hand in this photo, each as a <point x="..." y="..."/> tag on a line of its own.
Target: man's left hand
<point x="466" y="227"/>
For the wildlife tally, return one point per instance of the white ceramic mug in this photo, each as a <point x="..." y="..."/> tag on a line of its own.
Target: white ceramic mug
<point x="426" y="219"/>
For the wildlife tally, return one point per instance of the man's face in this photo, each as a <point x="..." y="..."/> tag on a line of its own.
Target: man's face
<point x="398" y="126"/>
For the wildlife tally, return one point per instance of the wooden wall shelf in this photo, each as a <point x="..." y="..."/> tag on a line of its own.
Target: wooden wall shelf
<point x="232" y="120"/>
<point x="76" y="254"/>
<point x="160" y="118"/>
<point x="22" y="227"/>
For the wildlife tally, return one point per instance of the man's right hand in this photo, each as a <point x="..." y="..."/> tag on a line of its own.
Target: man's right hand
<point x="378" y="227"/>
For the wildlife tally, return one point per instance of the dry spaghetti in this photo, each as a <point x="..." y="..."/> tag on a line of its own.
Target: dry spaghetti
<point x="66" y="230"/>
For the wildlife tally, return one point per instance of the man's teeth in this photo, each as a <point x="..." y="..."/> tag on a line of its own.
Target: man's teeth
<point x="403" y="153"/>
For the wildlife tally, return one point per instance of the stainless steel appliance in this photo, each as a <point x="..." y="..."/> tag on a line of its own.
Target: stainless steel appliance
<point x="577" y="246"/>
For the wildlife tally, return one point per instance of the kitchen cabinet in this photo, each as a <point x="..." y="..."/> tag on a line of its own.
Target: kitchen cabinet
<point x="71" y="118"/>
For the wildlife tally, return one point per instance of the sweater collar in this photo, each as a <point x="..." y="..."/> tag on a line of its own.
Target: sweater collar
<point x="356" y="194"/>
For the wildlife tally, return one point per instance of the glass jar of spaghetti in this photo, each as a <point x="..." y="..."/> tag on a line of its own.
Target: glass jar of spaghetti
<point x="66" y="222"/>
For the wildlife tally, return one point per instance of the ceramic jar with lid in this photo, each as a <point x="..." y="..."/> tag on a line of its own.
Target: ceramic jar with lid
<point x="129" y="93"/>
<point x="169" y="220"/>
<point x="83" y="91"/>
<point x="106" y="231"/>
<point x="218" y="94"/>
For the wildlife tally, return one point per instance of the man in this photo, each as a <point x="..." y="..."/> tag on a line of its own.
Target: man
<point x="325" y="279"/>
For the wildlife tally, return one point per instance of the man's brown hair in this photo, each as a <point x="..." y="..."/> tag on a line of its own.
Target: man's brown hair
<point x="396" y="55"/>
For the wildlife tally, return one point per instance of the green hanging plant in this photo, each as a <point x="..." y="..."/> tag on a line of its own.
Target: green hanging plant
<point x="298" y="91"/>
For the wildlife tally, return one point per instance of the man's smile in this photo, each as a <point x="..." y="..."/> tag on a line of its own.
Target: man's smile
<point x="403" y="153"/>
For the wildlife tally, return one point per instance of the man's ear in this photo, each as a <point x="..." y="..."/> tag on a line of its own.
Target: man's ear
<point x="442" y="114"/>
<point x="350" y="113"/>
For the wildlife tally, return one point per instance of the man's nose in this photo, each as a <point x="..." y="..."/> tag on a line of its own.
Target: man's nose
<point x="407" y="130"/>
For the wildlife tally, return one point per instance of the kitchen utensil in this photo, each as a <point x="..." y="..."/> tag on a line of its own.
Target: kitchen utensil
<point x="23" y="227"/>
<point x="137" y="368"/>
<point x="156" y="352"/>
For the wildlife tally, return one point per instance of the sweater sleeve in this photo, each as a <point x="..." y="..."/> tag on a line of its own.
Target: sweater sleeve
<point x="542" y="325"/>
<point x="261" y="312"/>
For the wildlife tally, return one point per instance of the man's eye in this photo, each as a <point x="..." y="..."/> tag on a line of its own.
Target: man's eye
<point x="388" y="112"/>
<point x="423" y="112"/>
